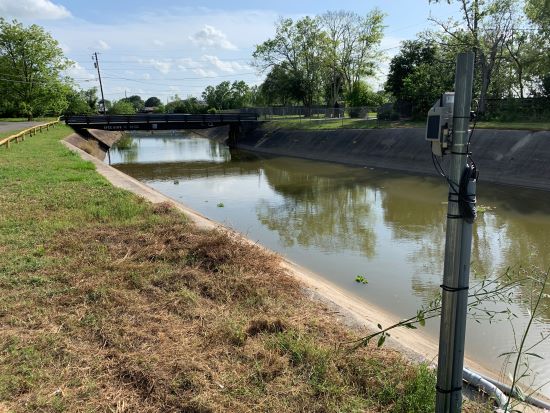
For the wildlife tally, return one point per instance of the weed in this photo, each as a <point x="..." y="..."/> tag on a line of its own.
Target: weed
<point x="361" y="279"/>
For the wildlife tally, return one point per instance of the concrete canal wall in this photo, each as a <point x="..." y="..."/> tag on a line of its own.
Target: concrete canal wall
<point x="513" y="157"/>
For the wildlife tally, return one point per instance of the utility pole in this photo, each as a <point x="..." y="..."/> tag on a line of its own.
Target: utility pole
<point x="458" y="245"/>
<point x="96" y="64"/>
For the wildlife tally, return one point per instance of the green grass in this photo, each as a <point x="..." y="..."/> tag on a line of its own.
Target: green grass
<point x="534" y="126"/>
<point x="347" y="123"/>
<point x="109" y="299"/>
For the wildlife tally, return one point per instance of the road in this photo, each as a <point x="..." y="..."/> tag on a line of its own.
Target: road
<point x="16" y="126"/>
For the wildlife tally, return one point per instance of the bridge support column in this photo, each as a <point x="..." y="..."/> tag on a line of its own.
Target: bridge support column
<point x="234" y="134"/>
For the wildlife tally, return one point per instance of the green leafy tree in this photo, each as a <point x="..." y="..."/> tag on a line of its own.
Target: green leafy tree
<point x="352" y="50"/>
<point x="412" y="53"/>
<point x="122" y="107"/>
<point x="227" y="95"/>
<point x="90" y="95"/>
<point x="189" y="105"/>
<point x="279" y="86"/>
<point x="32" y="63"/>
<point x="484" y="26"/>
<point x="153" y="102"/>
<point x="362" y="94"/>
<point x="107" y="103"/>
<point x="538" y="50"/>
<point x="299" y="48"/>
<point x="418" y="74"/>
<point x="83" y="102"/>
<point x="136" y="101"/>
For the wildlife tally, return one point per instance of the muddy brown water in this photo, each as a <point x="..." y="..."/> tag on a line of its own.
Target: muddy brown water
<point x="342" y="221"/>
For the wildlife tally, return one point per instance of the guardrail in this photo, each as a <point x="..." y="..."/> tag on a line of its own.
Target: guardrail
<point x="30" y="131"/>
<point x="159" y="118"/>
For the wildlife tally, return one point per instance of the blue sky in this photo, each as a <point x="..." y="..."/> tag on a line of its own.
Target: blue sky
<point x="162" y="48"/>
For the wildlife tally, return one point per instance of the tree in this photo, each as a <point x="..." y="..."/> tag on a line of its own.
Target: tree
<point x="90" y="96"/>
<point x="538" y="13"/>
<point x="83" y="102"/>
<point x="136" y="101"/>
<point x="227" y="95"/>
<point x="352" y="49"/>
<point x="485" y="26"/>
<point x="107" y="104"/>
<point x="412" y="54"/>
<point x="362" y="94"/>
<point x="32" y="63"/>
<point x="189" y="105"/>
<point x="418" y="74"/>
<point x="300" y="49"/>
<point x="279" y="86"/>
<point x="153" y="102"/>
<point x="122" y="107"/>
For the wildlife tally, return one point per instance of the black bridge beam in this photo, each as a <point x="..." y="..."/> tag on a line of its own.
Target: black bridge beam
<point x="158" y="121"/>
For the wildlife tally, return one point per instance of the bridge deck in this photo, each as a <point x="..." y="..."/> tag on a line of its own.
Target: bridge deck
<point x="158" y="121"/>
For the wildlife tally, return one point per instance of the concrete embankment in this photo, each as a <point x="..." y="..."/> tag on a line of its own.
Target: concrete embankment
<point x="94" y="141"/>
<point x="513" y="157"/>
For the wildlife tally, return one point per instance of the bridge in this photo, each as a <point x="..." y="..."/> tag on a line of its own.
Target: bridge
<point x="158" y="121"/>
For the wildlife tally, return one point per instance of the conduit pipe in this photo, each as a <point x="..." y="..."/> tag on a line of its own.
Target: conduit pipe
<point x="498" y="390"/>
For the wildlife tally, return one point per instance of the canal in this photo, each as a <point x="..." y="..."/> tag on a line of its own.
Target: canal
<point x="342" y="221"/>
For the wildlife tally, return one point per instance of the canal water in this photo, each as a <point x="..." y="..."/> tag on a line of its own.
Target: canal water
<point x="342" y="221"/>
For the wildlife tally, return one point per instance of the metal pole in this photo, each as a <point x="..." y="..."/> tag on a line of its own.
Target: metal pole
<point x="457" y="252"/>
<point x="100" y="83"/>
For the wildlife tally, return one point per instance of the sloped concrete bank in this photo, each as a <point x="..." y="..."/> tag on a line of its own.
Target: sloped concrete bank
<point x="94" y="141"/>
<point x="512" y="157"/>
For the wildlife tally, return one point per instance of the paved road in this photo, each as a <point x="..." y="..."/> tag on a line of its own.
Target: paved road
<point x="17" y="126"/>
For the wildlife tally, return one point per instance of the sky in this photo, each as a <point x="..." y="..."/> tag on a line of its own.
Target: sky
<point x="163" y="48"/>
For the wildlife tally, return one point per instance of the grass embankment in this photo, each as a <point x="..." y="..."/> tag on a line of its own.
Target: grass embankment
<point x="112" y="304"/>
<point x="347" y="123"/>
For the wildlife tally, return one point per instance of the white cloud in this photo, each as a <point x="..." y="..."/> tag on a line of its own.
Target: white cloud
<point x="226" y="65"/>
<point x="33" y="9"/>
<point x="204" y="72"/>
<point x="187" y="63"/>
<point x="102" y="45"/>
<point x="146" y="76"/>
<point x="76" y="71"/>
<point x="163" y="66"/>
<point x="158" y="42"/>
<point x="209" y="36"/>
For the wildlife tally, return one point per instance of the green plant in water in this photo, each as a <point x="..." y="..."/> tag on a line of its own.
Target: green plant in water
<point x="220" y="205"/>
<point x="361" y="279"/>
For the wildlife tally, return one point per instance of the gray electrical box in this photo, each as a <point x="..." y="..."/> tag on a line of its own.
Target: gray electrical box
<point x="439" y="124"/>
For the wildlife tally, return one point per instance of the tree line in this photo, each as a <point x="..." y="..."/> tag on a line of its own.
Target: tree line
<point x="330" y="60"/>
<point x="511" y="42"/>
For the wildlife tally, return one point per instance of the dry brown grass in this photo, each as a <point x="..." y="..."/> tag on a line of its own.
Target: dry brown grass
<point x="165" y="317"/>
<point x="110" y="304"/>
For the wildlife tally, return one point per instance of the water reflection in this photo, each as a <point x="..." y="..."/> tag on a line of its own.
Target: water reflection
<point x="149" y="148"/>
<point x="342" y="221"/>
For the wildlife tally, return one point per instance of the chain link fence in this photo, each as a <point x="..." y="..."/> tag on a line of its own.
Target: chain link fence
<point x="312" y="113"/>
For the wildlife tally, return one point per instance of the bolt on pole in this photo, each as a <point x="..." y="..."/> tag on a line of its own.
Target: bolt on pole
<point x="458" y="246"/>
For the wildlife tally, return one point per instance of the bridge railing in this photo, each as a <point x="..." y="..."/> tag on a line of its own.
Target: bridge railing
<point x="29" y="131"/>
<point x="160" y="118"/>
